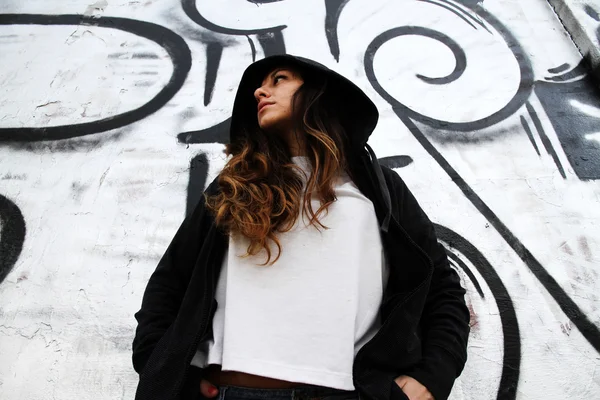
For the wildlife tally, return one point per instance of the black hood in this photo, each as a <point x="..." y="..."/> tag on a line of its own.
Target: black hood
<point x="359" y="116"/>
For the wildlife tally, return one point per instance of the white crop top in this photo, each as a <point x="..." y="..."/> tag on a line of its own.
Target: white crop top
<point x="304" y="318"/>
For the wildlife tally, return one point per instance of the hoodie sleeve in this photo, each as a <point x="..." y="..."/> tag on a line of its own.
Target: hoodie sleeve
<point x="167" y="286"/>
<point x="445" y="319"/>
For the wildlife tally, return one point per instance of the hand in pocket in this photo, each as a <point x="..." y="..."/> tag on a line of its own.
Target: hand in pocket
<point x="412" y="388"/>
<point x="208" y="390"/>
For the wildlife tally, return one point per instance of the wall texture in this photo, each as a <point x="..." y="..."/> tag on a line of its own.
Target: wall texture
<point x="112" y="119"/>
<point x="581" y="19"/>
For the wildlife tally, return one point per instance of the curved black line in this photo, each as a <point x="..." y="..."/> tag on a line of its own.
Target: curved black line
<point x="214" y="51"/>
<point x="12" y="235"/>
<point x="190" y="9"/>
<point x="457" y="51"/>
<point x="459" y="56"/>
<point x="523" y="92"/>
<point x="174" y="44"/>
<point x="511" y="364"/>
<point x="452" y="10"/>
<point x="333" y="10"/>
<point x="396" y="161"/>
<point x="215" y="134"/>
<point x="252" y="47"/>
<point x="462" y="265"/>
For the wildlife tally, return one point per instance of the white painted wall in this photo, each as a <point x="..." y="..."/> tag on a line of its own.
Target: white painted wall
<point x="582" y="19"/>
<point x="100" y="209"/>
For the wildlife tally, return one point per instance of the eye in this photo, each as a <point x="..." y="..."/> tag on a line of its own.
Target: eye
<point x="278" y="77"/>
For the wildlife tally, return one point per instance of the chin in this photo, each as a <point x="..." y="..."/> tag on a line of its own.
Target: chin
<point x="267" y="124"/>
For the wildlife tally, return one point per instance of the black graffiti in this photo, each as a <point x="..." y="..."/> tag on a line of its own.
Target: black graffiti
<point x="521" y="96"/>
<point x="215" y="134"/>
<point x="196" y="182"/>
<point x="395" y="161"/>
<point x="407" y="116"/>
<point x="12" y="235"/>
<point x="571" y="124"/>
<point x="589" y="10"/>
<point x="214" y="51"/>
<point x="508" y="317"/>
<point x="454" y="10"/>
<point x="527" y="130"/>
<point x="578" y="72"/>
<point x="270" y="39"/>
<point x="545" y="139"/>
<point x="191" y="10"/>
<point x="333" y="10"/>
<point x="175" y="46"/>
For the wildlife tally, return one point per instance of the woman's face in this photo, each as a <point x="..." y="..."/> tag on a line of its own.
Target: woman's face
<point x="274" y="98"/>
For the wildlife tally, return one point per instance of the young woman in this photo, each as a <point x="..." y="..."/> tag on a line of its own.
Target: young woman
<point x="307" y="271"/>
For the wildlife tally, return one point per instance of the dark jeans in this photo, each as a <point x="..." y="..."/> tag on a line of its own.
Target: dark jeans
<point x="300" y="393"/>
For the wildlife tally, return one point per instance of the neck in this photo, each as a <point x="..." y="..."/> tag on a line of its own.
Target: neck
<point x="295" y="142"/>
<point x="295" y="147"/>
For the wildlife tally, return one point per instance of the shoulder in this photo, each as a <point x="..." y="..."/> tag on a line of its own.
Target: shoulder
<point x="404" y="203"/>
<point x="395" y="183"/>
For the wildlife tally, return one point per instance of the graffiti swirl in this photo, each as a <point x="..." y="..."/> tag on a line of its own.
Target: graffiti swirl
<point x="468" y="97"/>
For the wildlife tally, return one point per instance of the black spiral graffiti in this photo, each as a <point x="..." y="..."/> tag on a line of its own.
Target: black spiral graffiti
<point x="521" y="96"/>
<point x="175" y="46"/>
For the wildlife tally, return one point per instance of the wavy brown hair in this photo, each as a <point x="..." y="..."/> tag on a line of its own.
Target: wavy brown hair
<point x="261" y="189"/>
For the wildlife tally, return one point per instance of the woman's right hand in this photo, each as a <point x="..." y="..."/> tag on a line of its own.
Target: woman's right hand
<point x="208" y="390"/>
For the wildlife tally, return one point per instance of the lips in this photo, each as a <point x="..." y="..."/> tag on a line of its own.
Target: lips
<point x="262" y="105"/>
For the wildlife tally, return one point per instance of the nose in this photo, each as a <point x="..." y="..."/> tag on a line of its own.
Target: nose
<point x="260" y="93"/>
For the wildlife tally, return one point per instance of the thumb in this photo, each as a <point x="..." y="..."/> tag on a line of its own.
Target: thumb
<point x="401" y="380"/>
<point x="207" y="389"/>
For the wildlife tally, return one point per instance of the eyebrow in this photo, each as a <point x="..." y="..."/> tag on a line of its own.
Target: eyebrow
<point x="278" y="70"/>
<point x="272" y="74"/>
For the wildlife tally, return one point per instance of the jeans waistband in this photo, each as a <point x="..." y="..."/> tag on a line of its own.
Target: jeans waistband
<point x="307" y="392"/>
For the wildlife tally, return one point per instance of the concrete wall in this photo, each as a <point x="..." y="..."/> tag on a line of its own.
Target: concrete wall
<point x="581" y="18"/>
<point x="112" y="119"/>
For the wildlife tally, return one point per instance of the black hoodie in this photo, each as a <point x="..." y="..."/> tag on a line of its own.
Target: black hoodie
<point x="425" y="320"/>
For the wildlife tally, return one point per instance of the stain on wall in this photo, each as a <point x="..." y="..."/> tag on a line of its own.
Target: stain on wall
<point x="114" y="116"/>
